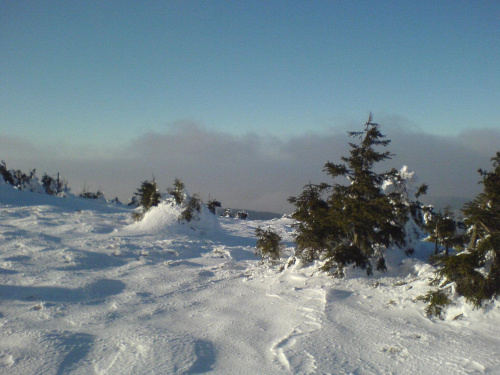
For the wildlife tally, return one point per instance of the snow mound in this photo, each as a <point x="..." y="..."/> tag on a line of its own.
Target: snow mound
<point x="166" y="217"/>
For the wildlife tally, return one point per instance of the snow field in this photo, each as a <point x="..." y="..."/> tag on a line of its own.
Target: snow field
<point x="84" y="290"/>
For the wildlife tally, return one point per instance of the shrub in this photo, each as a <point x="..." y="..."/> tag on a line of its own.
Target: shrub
<point x="212" y="205"/>
<point x="193" y="205"/>
<point x="242" y="215"/>
<point x="7" y="176"/>
<point x="91" y="195"/>
<point x="54" y="186"/>
<point x="437" y="300"/>
<point x="268" y="244"/>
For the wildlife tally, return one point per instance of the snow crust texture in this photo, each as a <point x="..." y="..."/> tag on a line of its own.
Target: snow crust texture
<point x="85" y="290"/>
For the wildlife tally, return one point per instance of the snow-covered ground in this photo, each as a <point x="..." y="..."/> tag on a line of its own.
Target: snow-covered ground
<point x="84" y="290"/>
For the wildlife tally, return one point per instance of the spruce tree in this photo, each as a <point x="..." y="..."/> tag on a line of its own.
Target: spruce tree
<point x="313" y="230"/>
<point x="442" y="229"/>
<point x="177" y="191"/>
<point x="404" y="196"/>
<point x="147" y="196"/>
<point x="7" y="176"/>
<point x="55" y="186"/>
<point x="268" y="244"/>
<point x="193" y="206"/>
<point x="355" y="222"/>
<point x="476" y="270"/>
<point x="212" y="205"/>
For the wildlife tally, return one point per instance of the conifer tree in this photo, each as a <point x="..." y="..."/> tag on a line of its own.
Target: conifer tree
<point x="476" y="270"/>
<point x="177" y="191"/>
<point x="442" y="229"/>
<point x="148" y="196"/>
<point x="313" y="230"/>
<point x="55" y="186"/>
<point x="212" y="205"/>
<point x="404" y="196"/>
<point x="193" y="206"/>
<point x="355" y="222"/>
<point x="7" y="176"/>
<point x="268" y="244"/>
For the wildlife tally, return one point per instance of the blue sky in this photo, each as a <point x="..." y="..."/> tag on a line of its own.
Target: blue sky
<point x="108" y="71"/>
<point x="93" y="75"/>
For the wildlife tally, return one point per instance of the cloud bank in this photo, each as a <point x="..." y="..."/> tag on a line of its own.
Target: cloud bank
<point x="254" y="171"/>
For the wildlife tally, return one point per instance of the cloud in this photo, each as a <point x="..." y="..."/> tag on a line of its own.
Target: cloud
<point x="18" y="149"/>
<point x="256" y="171"/>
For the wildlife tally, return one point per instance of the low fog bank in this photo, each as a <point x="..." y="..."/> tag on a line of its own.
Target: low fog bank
<point x="256" y="172"/>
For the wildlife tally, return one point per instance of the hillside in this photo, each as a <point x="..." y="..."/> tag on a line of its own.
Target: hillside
<point x="85" y="290"/>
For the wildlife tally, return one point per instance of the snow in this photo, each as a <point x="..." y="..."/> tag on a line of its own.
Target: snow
<point x="85" y="290"/>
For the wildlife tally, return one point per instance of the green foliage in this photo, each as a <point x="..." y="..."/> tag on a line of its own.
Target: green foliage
<point x="147" y="196"/>
<point x="268" y="244"/>
<point x="7" y="176"/>
<point x="17" y="178"/>
<point x="54" y="185"/>
<point x="212" y="205"/>
<point x="177" y="191"/>
<point x="193" y="205"/>
<point x="442" y="229"/>
<point x="313" y="231"/>
<point x="437" y="300"/>
<point x="463" y="270"/>
<point x="354" y="222"/>
<point x="476" y="271"/>
<point x="91" y="195"/>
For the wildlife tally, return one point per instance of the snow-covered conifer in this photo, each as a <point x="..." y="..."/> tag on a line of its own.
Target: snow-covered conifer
<point x="475" y="271"/>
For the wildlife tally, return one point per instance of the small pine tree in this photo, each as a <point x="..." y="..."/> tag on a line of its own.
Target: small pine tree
<point x="148" y="196"/>
<point x="409" y="211"/>
<point x="212" y="205"/>
<point x="312" y="229"/>
<point x="54" y="186"/>
<point x="442" y="229"/>
<point x="177" y="191"/>
<point x="268" y="244"/>
<point x="7" y="176"/>
<point x="91" y="195"/>
<point x="193" y="206"/>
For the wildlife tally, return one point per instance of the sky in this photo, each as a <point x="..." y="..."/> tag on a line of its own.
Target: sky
<point x="240" y="99"/>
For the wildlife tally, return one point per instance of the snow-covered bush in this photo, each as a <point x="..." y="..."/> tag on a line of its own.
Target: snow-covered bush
<point x="268" y="244"/>
<point x="474" y="272"/>
<point x="92" y="195"/>
<point x="242" y="215"/>
<point x="30" y="182"/>
<point x="191" y="209"/>
<point x="57" y="186"/>
<point x="404" y="194"/>
<point x="165" y="210"/>
<point x="212" y="205"/>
